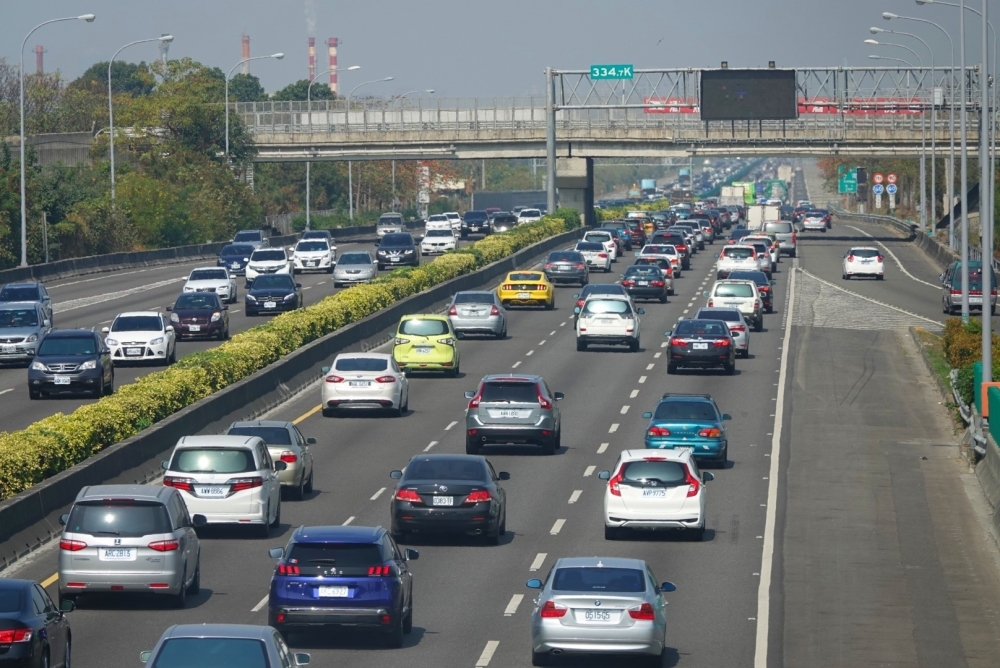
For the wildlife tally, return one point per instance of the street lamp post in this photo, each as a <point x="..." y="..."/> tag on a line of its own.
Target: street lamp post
<point x="400" y="97"/>
<point x="276" y="56"/>
<point x="350" y="164"/>
<point x="111" y="108"/>
<point x="309" y="113"/>
<point x="89" y="18"/>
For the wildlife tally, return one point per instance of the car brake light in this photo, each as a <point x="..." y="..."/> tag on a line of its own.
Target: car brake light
<point x="879" y="258"/>
<point x="553" y="610"/>
<point x="711" y="302"/>
<point x="474" y="402"/>
<point x="548" y="265"/>
<point x="711" y="432"/>
<point x="544" y="403"/>
<point x="628" y="282"/>
<point x="795" y="236"/>
<point x="644" y="612"/>
<point x="379" y="571"/>
<point x="955" y="291"/>
<point x="738" y="328"/>
<point x="658" y="431"/>
<point x="721" y="343"/>
<point x="613" y="484"/>
<point x="165" y="545"/>
<point x="289" y="457"/>
<point x="385" y="379"/>
<point x="242" y="484"/>
<point x="15" y="635"/>
<point x="602" y="255"/>
<point x="764" y="288"/>
<point x="478" y="496"/>
<point x="579" y="302"/>
<point x="409" y="495"/>
<point x="494" y="310"/>
<point x="677" y="342"/>
<point x="187" y="484"/>
<point x="693" y="484"/>
<point x="850" y="258"/>
<point x="72" y="545"/>
<point x="453" y="311"/>
<point x="289" y="569"/>
<point x="656" y="284"/>
<point x="334" y="379"/>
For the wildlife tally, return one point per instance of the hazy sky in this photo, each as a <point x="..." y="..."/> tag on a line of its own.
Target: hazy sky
<point x="465" y="48"/>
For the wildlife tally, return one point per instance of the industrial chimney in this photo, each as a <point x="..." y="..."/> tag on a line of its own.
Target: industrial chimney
<point x="246" y="54"/>
<point x="39" y="59"/>
<point x="332" y="48"/>
<point x="164" y="47"/>
<point x="312" y="58"/>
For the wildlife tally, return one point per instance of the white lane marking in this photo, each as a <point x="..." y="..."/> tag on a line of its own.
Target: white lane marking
<point x="104" y="322"/>
<point x="511" y="608"/>
<point x="235" y="310"/>
<point x="604" y="446"/>
<point x="99" y="278"/>
<point x="589" y="472"/>
<point x="321" y="283"/>
<point x="893" y="256"/>
<point x="642" y="379"/>
<point x="377" y="494"/>
<point x="542" y="342"/>
<point x="516" y="364"/>
<point x="308" y="287"/>
<point x="552" y="333"/>
<point x="453" y="423"/>
<point x="557" y="527"/>
<point x="657" y="356"/>
<point x="433" y="443"/>
<point x="563" y="324"/>
<point x="487" y="655"/>
<point x="614" y="428"/>
<point x="575" y="496"/>
<point x="348" y="520"/>
<point x="84" y="302"/>
<point x="685" y="311"/>
<point x="767" y="560"/>
<point x="539" y="560"/>
<point x="625" y="409"/>
<point x="867" y="299"/>
<point x="633" y="394"/>
<point x="260" y="605"/>
<point x="529" y="353"/>
<point x="663" y="345"/>
<point x="649" y="366"/>
<point x="10" y="389"/>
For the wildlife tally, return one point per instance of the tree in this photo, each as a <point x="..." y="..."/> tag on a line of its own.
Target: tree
<point x="246" y="88"/>
<point x="296" y="92"/>
<point x="132" y="78"/>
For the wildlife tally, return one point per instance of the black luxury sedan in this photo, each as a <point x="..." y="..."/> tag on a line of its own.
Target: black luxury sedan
<point x="273" y="293"/>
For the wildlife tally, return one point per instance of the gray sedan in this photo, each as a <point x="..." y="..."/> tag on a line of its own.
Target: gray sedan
<point x="22" y="325"/>
<point x="356" y="267"/>
<point x="287" y="444"/>
<point x="478" y="312"/>
<point x="599" y="605"/>
<point x="222" y="646"/>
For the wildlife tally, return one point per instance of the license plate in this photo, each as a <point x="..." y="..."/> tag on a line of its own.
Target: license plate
<point x="332" y="592"/>
<point x="866" y="262"/>
<point x="444" y="501"/>
<point x="270" y="304"/>
<point x="61" y="380"/>
<point x="699" y="346"/>
<point x="133" y="351"/>
<point x="604" y="321"/>
<point x="194" y="328"/>
<point x="423" y="350"/>
<point x="643" y="282"/>
<point x="7" y="349"/>
<point x="654" y="493"/>
<point x="212" y="491"/>
<point x="975" y="300"/>
<point x="359" y="383"/>
<point x="311" y="264"/>
<point x="506" y="414"/>
<point x="394" y="259"/>
<point x="597" y="615"/>
<point x="236" y="265"/>
<point x="524" y="295"/>
<point x="117" y="554"/>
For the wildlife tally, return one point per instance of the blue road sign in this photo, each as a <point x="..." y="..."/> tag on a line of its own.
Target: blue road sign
<point x="891" y="188"/>
<point x="878" y="188"/>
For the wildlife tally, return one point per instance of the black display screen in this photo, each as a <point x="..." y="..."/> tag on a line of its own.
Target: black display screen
<point x="748" y="95"/>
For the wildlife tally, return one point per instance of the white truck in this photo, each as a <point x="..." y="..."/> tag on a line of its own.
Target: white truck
<point x="760" y="214"/>
<point x="785" y="173"/>
<point x="731" y="196"/>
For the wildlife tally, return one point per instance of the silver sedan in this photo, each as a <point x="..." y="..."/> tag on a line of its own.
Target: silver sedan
<point x="599" y="605"/>
<point x="287" y="444"/>
<point x="355" y="267"/>
<point x="478" y="312"/>
<point x="222" y="645"/>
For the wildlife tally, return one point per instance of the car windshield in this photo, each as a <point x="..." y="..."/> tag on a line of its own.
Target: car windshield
<point x="19" y="317"/>
<point x="137" y="323"/>
<point x="208" y="275"/>
<point x="509" y="393"/>
<point x="617" y="307"/>
<point x="440" y="233"/>
<point x="645" y="261"/>
<point x="10" y="601"/>
<point x="599" y="579"/>
<point x="341" y="555"/>
<point x="733" y="290"/>
<point x="273" y="281"/>
<point x="197" y="301"/>
<point x="686" y="410"/>
<point x="864" y="252"/>
<point x="701" y="328"/>
<point x="270" y="435"/>
<point x="316" y="234"/>
<point x="78" y="345"/>
<point x="475" y="215"/>
<point x="397" y="240"/>
<point x="237" y="249"/>
<point x="727" y="314"/>
<point x="738" y="253"/>
<point x="268" y="256"/>
<point x="307" y="246"/>
<point x="24" y="293"/>
<point x="565" y="256"/>
<point x="361" y="364"/>
<point x="534" y="213"/>
<point x="125" y="518"/>
<point x="213" y="460"/>
<point x="212" y="653"/>
<point x="589" y="246"/>
<point x="506" y="219"/>
<point x="248" y="236"/>
<point x="474" y="298"/>
<point x="445" y="469"/>
<point x="422" y="327"/>
<point x="524" y="276"/>
<point x="390" y="219"/>
<point x="354" y="258"/>
<point x="667" y="474"/>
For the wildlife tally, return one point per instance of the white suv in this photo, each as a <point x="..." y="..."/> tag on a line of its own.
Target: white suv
<point x="864" y="261"/>
<point x="742" y="295"/>
<point x="267" y="261"/>
<point x="528" y="216"/>
<point x="314" y="255"/>
<point x="605" y="239"/>
<point x="607" y="320"/>
<point x="736" y="258"/>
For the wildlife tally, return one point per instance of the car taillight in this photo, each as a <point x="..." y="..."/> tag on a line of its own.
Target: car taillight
<point x="677" y="342"/>
<point x="711" y="302"/>
<point x="579" y="302"/>
<point x="644" y="612"/>
<point x="494" y="310"/>
<point x="603" y="256"/>
<point x="756" y="303"/>
<point x="478" y="496"/>
<point x="732" y="241"/>
<point x="693" y="484"/>
<point x="187" y="484"/>
<point x="542" y="288"/>
<point x="553" y="610"/>
<point x="72" y="545"/>
<point x="711" y="432"/>
<point x="15" y="635"/>
<point x="508" y="287"/>
<point x="879" y="258"/>
<point x="289" y="457"/>
<point x="613" y="484"/>
<point x="850" y="258"/>
<point x="544" y="403"/>
<point x="334" y="379"/>
<point x="580" y="266"/>
<point x="289" y="569"/>
<point x="955" y="291"/>
<point x="628" y="282"/>
<point x="409" y="495"/>
<point x="657" y="431"/>
<point x="721" y="343"/>
<point x="738" y="328"/>
<point x="795" y="236"/>
<point x="242" y="484"/>
<point x="764" y="288"/>
<point x="548" y="265"/>
<point x="379" y="571"/>
<point x="165" y="545"/>
<point x="453" y="311"/>
<point x="385" y="379"/>
<point x="656" y="284"/>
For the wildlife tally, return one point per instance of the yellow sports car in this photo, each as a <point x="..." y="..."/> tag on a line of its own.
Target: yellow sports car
<point x="527" y="288"/>
<point x="426" y="342"/>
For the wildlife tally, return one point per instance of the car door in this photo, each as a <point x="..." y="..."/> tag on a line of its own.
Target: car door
<point x="659" y="605"/>
<point x="104" y="359"/>
<point x="267" y="468"/>
<point x="46" y="300"/>
<point x="183" y="530"/>
<point x="168" y="332"/>
<point x="501" y="492"/>
<point x="304" y="454"/>
<point x="405" y="576"/>
<point x="55" y="624"/>
<point x="404" y="383"/>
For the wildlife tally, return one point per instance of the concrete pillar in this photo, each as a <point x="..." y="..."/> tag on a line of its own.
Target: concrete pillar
<point x="575" y="183"/>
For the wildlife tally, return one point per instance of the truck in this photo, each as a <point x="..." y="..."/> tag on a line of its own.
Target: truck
<point x="785" y="173"/>
<point x="648" y="186"/>
<point x="760" y="214"/>
<point x="731" y="195"/>
<point x="749" y="191"/>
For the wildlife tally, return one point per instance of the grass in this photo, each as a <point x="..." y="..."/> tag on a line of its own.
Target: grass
<point x="933" y="354"/>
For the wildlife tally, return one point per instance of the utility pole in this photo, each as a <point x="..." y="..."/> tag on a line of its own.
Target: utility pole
<point x="986" y="202"/>
<point x="550" y="138"/>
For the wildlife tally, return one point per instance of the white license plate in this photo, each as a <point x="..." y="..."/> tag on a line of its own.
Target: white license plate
<point x="212" y="491"/>
<point x="643" y="282"/>
<point x="699" y="346"/>
<point x="116" y="554"/>
<point x="605" y="321"/>
<point x="133" y="351"/>
<point x="394" y="259"/>
<point x="597" y="616"/>
<point x="444" y="501"/>
<point x="505" y="414"/>
<point x="654" y="493"/>
<point x="332" y="592"/>
<point x="311" y="264"/>
<point x="194" y="328"/>
<point x="524" y="295"/>
<point x="61" y="380"/>
<point x="359" y="383"/>
<point x="975" y="300"/>
<point x="8" y="349"/>
<point x="236" y="265"/>
<point x="270" y="304"/>
<point x="866" y="261"/>
<point x="422" y="350"/>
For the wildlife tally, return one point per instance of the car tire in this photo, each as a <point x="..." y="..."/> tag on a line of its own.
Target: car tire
<point x="551" y="306"/>
<point x="503" y="523"/>
<point x="408" y="620"/>
<point x="400" y="536"/>
<point x="173" y="356"/>
<point x="845" y="277"/>
<point x="671" y="369"/>
<point x="730" y="369"/>
<point x="607" y="270"/>
<point x="195" y="585"/>
<point x="308" y="488"/>
<point x="492" y="537"/>
<point x="34" y="395"/>
<point x="541" y="659"/>
<point x="696" y="535"/>
<point x="880" y="277"/>
<point x="792" y="254"/>
<point x="472" y="447"/>
<point x="381" y="267"/>
<point x="179" y="600"/>
<point x="581" y="345"/>
<point x="612" y="533"/>
<point x="663" y="299"/>
<point x="265" y="528"/>
<point x="724" y="459"/>
<point x="277" y="517"/>
<point x="758" y="325"/>
<point x="394" y="637"/>
<point x="298" y="493"/>
<point x="549" y="447"/>
<point x="110" y="388"/>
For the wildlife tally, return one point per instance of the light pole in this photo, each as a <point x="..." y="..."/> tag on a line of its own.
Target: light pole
<point x="430" y="91"/>
<point x="89" y="18"/>
<point x="276" y="56"/>
<point x="111" y="107"/>
<point x="350" y="164"/>
<point x="309" y="89"/>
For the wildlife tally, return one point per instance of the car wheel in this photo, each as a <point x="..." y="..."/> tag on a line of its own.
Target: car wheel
<point x="540" y="659"/>
<point x="730" y="369"/>
<point x="33" y="395"/>
<point x="792" y="254"/>
<point x="663" y="299"/>
<point x="697" y="535"/>
<point x="396" y="412"/>
<point x="45" y="659"/>
<point x="551" y="305"/>
<point x="381" y="267"/>
<point x="724" y="458"/>
<point x="277" y="517"/>
<point x="758" y="325"/>
<point x="265" y="528"/>
<point x="633" y="346"/>
<point x="329" y="412"/>
<point x="581" y="345"/>
<point x="110" y="389"/>
<point x="394" y="637"/>
<point x="612" y="533"/>
<point x="68" y="654"/>
<point x="179" y="599"/>
<point x="195" y="585"/>
<point x="492" y="537"/>
<point x="173" y="355"/>
<point x="299" y="492"/>
<point x="549" y="447"/>
<point x="408" y="620"/>
<point x="671" y="369"/>
<point x="308" y="488"/>
<point x="503" y="523"/>
<point x="472" y="447"/>
<point x="671" y="290"/>
<point x="845" y="277"/>
<point x="400" y="536"/>
<point x="880" y="277"/>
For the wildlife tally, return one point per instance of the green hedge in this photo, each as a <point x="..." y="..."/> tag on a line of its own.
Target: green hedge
<point x="60" y="441"/>
<point x="618" y="212"/>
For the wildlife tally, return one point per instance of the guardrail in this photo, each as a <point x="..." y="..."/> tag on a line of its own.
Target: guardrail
<point x="941" y="254"/>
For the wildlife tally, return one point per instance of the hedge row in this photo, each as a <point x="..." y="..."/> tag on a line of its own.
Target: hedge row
<point x="60" y="441"/>
<point x="618" y="212"/>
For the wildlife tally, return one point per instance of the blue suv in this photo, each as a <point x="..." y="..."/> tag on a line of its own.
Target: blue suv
<point x="689" y="421"/>
<point x="342" y="576"/>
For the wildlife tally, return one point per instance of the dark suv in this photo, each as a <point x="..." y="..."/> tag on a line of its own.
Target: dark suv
<point x="72" y="361"/>
<point x="475" y="222"/>
<point x="397" y="249"/>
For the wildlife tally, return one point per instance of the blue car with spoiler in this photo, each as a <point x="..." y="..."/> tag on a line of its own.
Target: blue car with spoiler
<point x="689" y="421"/>
<point x="342" y="576"/>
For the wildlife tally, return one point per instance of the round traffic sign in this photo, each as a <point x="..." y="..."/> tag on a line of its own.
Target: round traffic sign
<point x="877" y="178"/>
<point x="891" y="188"/>
<point x="891" y="178"/>
<point x="878" y="189"/>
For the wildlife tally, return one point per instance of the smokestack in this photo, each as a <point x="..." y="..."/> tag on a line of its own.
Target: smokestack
<point x="332" y="48"/>
<point x="312" y="58"/>
<point x="164" y="47"/>
<point x="246" y="54"/>
<point x="39" y="59"/>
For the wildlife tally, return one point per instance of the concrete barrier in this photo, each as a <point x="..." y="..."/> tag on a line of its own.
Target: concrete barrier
<point x="30" y="519"/>
<point x="988" y="474"/>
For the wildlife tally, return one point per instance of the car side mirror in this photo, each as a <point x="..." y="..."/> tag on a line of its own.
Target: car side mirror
<point x="411" y="555"/>
<point x="641" y="311"/>
<point x="104" y="330"/>
<point x="310" y="441"/>
<point x="169" y="309"/>
<point x="576" y="310"/>
<point x="576" y="296"/>
<point x="144" y="656"/>
<point x="667" y="587"/>
<point x="707" y="476"/>
<point x="559" y="396"/>
<point x="727" y="416"/>
<point x="470" y="395"/>
<point x="396" y="475"/>
<point x="716" y="255"/>
<point x="325" y="369"/>
<point x="302" y="658"/>
<point x="668" y="332"/>
<point x="503" y="475"/>
<point x="843" y="256"/>
<point x="46" y="323"/>
<point x="298" y="285"/>
<point x="66" y="605"/>
<point x="773" y="283"/>
<point x="276" y="552"/>
<point x="170" y="328"/>
<point x="647" y="415"/>
<point x="533" y="583"/>
<point x="604" y="475"/>
<point x="199" y="521"/>
<point x="280" y="466"/>
<point x="636" y="254"/>
<point x="63" y="519"/>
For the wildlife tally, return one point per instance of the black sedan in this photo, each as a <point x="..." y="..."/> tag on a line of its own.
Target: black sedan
<point x="235" y="257"/>
<point x="765" y="286"/>
<point x="567" y="266"/>
<point x="273" y="293"/>
<point x="397" y="249"/>
<point x="701" y="343"/>
<point x="458" y="494"/>
<point x="199" y="314"/>
<point x="645" y="282"/>
<point x="34" y="633"/>
<point x="737" y="234"/>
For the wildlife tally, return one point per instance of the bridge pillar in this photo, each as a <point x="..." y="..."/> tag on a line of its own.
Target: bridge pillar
<point x="575" y="183"/>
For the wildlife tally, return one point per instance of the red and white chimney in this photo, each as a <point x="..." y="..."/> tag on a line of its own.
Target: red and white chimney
<point x="312" y="58"/>
<point x="39" y="59"/>
<point x="246" y="54"/>
<point x="332" y="49"/>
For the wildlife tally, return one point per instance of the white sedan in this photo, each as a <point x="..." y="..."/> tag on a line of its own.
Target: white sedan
<point x="863" y="261"/>
<point x="268" y="261"/>
<point x="314" y="255"/>
<point x="606" y="240"/>
<point x="364" y="381"/>
<point x="141" y="336"/>
<point x="437" y="241"/>
<point x="213" y="279"/>
<point x="528" y="216"/>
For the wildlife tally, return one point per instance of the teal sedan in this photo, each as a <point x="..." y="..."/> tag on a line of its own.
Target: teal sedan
<point x="689" y="421"/>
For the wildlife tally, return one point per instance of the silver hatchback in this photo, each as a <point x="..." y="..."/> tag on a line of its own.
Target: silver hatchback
<point x="478" y="312"/>
<point x="513" y="409"/>
<point x="129" y="539"/>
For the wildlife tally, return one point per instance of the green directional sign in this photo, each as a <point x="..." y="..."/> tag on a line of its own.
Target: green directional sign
<point x="848" y="182"/>
<point x="598" y="72"/>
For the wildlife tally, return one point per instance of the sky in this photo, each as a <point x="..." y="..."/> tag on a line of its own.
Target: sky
<point x="473" y="48"/>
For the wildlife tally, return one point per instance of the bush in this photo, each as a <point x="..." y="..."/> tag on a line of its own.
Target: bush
<point x="963" y="344"/>
<point x="60" y="441"/>
<point x="619" y="212"/>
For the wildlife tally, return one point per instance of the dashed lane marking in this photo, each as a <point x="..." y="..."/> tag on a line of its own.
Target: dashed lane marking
<point x="663" y="344"/>
<point x="539" y="560"/>
<point x="236" y="310"/>
<point x="516" y="364"/>
<point x="10" y="389"/>
<point x="552" y="333"/>
<point x="642" y="379"/>
<point x="432" y="444"/>
<point x="657" y="356"/>
<point x="542" y="342"/>
<point x="511" y="608"/>
<point x="614" y="428"/>
<point x="453" y="423"/>
<point x="589" y="471"/>
<point x="529" y="353"/>
<point x="603" y="448"/>
<point x="685" y="311"/>
<point x="487" y="655"/>
<point x="575" y="496"/>
<point x="348" y="520"/>
<point x="625" y="409"/>
<point x="377" y="494"/>
<point x="557" y="527"/>
<point x="649" y="366"/>
<point x="260" y="605"/>
<point x="308" y="287"/>
<point x="633" y="394"/>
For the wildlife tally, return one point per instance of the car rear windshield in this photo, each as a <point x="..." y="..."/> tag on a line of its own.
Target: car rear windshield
<point x="659" y="262"/>
<point x="18" y="317"/>
<point x="212" y="653"/>
<point x="760" y="247"/>
<point x="270" y="435"/>
<point x="341" y="555"/>
<point x="421" y="327"/>
<point x="701" y="328"/>
<point x="355" y="258"/>
<point x="125" y="518"/>
<point x="397" y="240"/>
<point x="248" y="236"/>
<point x="729" y="315"/>
<point x="733" y="290"/>
<point x="738" y="253"/>
<point x="758" y="277"/>
<point x="361" y="364"/>
<point x="525" y="276"/>
<point x="268" y="256"/>
<point x="474" y="298"/>
<point x="659" y="250"/>
<point x="509" y="393"/>
<point x="778" y="228"/>
<point x="137" y="323"/>
<point x="273" y="281"/>
<point x="618" y="307"/>
<point x="445" y="469"/>
<point x="27" y="293"/>
<point x="642" y="270"/>
<point x="589" y="246"/>
<point x="316" y="234"/>
<point x="599" y="579"/>
<point x="667" y="474"/>
<point x="78" y="345"/>
<point x="306" y="246"/>
<point x="565" y="256"/>
<point x="213" y="460"/>
<point x="864" y="252"/>
<point x="10" y="601"/>
<point x="204" y="301"/>
<point x="391" y="219"/>
<point x="237" y="249"/>
<point x="597" y="236"/>
<point x="700" y="411"/>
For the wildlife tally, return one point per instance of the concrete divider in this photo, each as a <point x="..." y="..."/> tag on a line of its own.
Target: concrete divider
<point x="31" y="518"/>
<point x="988" y="474"/>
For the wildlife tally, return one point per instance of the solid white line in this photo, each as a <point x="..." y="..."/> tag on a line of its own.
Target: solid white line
<point x="893" y="256"/>
<point x="767" y="561"/>
<point x="516" y="364"/>
<point x="642" y="379"/>
<point x="348" y="520"/>
<point x="100" y="278"/>
<point x="649" y="366"/>
<point x="10" y="389"/>
<point x="539" y="560"/>
<point x="633" y="394"/>
<point x="377" y="494"/>
<point x="625" y="409"/>
<point x="604" y="446"/>
<point x="867" y="299"/>
<point x="614" y="428"/>
<point x="575" y="496"/>
<point x="511" y="608"/>
<point x="433" y="443"/>
<point x="529" y="353"/>
<point x="453" y="423"/>
<point x="260" y="605"/>
<point x="484" y="658"/>
<point x="557" y="527"/>
<point x="589" y="472"/>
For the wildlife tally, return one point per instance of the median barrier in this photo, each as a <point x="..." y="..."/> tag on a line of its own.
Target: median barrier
<point x="988" y="468"/>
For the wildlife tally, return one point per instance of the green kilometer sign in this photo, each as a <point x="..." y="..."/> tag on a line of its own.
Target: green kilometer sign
<point x="611" y="71"/>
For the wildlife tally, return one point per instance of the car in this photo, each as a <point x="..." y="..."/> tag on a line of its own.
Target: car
<point x="475" y="222"/>
<point x="741" y="294"/>
<point x="256" y="238"/>
<point x="646" y="282"/>
<point x="623" y="241"/>
<point x="595" y="254"/>
<point x="355" y="577"/>
<point x="763" y="251"/>
<point x="655" y="491"/>
<point x="599" y="289"/>
<point x="438" y="221"/>
<point x="772" y="245"/>
<point x="527" y="288"/>
<point x="456" y="221"/>
<point x="389" y="223"/>
<point x="437" y="241"/>
<point x="701" y="343"/>
<point x="141" y="336"/>
<point x="637" y="231"/>
<point x="863" y="261"/>
<point x="606" y="321"/>
<point x="605" y="238"/>
<point x="706" y="227"/>
<point x="273" y="293"/>
<point x="228" y="479"/>
<point x="737" y="326"/>
<point x="951" y="282"/>
<point x="199" y="315"/>
<point x="736" y="258"/>
<point x="314" y="255"/>
<point x="690" y="238"/>
<point x="676" y="240"/>
<point x="765" y="286"/>
<point x="737" y="234"/>
<point x="694" y="228"/>
<point x="448" y="493"/>
<point x="814" y="220"/>
<point x="426" y="342"/>
<point x="663" y="252"/>
<point x="504" y="222"/>
<point x="566" y="266"/>
<point x="397" y="250"/>
<point x="71" y="361"/>
<point x="785" y="234"/>
<point x="31" y="291"/>
<point x="570" y="617"/>
<point x="121" y="539"/>
<point x="661" y="263"/>
<point x="222" y="646"/>
<point x="35" y="631"/>
<point x="691" y="422"/>
<point x="267" y="261"/>
<point x="477" y="312"/>
<point x="287" y="444"/>
<point x="235" y="257"/>
<point x="513" y="409"/>
<point x="354" y="267"/>
<point x="624" y="232"/>
<point x="22" y="326"/>
<point x="212" y="279"/>
<point x="322" y="235"/>
<point x="364" y="382"/>
<point x="528" y="216"/>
